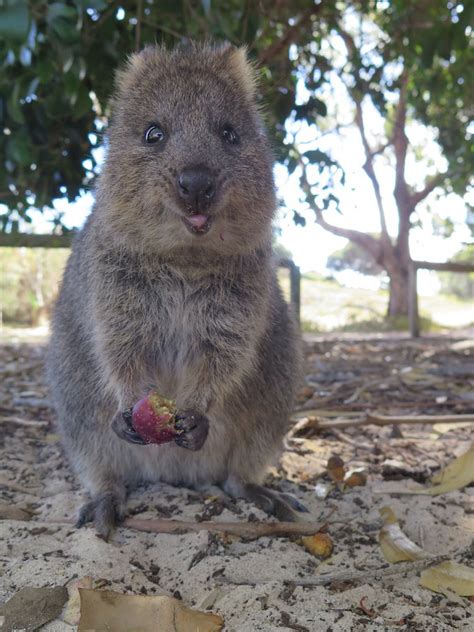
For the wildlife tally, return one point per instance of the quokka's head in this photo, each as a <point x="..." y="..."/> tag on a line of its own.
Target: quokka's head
<point x="188" y="162"/>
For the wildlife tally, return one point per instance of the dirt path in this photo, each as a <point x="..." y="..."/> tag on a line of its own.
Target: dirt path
<point x="343" y="379"/>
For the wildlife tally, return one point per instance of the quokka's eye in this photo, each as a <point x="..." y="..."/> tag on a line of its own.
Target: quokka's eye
<point x="230" y="135"/>
<point x="154" y="134"/>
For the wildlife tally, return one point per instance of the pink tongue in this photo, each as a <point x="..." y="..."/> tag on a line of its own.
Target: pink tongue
<point x="198" y="220"/>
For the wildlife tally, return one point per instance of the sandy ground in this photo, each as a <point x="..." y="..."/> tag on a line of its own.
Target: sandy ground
<point x="46" y="551"/>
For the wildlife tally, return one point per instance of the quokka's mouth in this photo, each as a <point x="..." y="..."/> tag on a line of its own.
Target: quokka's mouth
<point x="198" y="224"/>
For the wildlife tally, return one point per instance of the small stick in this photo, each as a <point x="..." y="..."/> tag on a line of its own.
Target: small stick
<point x="248" y="530"/>
<point x="344" y="576"/>
<point x="387" y="420"/>
<point x="27" y="423"/>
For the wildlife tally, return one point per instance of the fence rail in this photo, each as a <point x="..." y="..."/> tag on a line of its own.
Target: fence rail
<point x="413" y="316"/>
<point x="17" y="240"/>
<point x="20" y="240"/>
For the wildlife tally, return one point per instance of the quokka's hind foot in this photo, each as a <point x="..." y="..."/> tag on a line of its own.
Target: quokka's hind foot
<point x="105" y="511"/>
<point x="285" y="507"/>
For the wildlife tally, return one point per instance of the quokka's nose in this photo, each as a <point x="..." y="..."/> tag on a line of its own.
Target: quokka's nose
<point x="196" y="186"/>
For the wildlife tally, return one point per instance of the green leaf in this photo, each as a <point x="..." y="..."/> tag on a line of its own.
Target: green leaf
<point x="83" y="103"/>
<point x="14" y="106"/>
<point x="19" y="148"/>
<point x="98" y="5"/>
<point x="14" y="20"/>
<point x="316" y="155"/>
<point x="62" y="19"/>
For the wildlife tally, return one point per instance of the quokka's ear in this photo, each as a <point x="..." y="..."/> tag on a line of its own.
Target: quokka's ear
<point x="125" y="75"/>
<point x="241" y="68"/>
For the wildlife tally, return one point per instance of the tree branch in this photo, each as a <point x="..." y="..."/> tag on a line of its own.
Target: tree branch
<point x="400" y="144"/>
<point x="418" y="196"/>
<point x="289" y="36"/>
<point x="369" y="167"/>
<point x="368" y="151"/>
<point x="368" y="242"/>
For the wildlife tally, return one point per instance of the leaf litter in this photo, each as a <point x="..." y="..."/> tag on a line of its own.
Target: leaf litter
<point x="348" y="381"/>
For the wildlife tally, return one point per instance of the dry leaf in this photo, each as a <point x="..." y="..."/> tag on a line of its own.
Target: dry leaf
<point x="104" y="610"/>
<point x="320" y="544"/>
<point x="458" y="474"/>
<point x="336" y="469"/>
<point x="464" y="464"/>
<point x="395" y="545"/>
<point x="72" y="610"/>
<point x="449" y="576"/>
<point x="30" y="608"/>
<point x="357" y="478"/>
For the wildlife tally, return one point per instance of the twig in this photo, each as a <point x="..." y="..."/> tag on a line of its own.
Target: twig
<point x="288" y="36"/>
<point x="344" y="576"/>
<point x="24" y="422"/>
<point x="248" y="530"/>
<point x="385" y="420"/>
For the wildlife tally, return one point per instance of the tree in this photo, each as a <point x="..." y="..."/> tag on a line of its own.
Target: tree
<point x="408" y="61"/>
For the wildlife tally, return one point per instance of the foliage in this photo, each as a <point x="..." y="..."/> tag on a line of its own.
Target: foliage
<point x="60" y="59"/>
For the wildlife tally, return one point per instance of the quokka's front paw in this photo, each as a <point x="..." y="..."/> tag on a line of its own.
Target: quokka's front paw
<point x="122" y="426"/>
<point x="192" y="429"/>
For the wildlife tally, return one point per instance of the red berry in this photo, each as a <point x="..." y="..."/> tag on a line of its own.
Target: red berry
<point x="153" y="417"/>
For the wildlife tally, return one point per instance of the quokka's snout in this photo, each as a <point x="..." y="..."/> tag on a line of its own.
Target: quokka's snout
<point x="196" y="186"/>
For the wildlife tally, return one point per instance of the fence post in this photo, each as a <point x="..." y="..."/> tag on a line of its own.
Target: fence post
<point x="413" y="301"/>
<point x="295" y="289"/>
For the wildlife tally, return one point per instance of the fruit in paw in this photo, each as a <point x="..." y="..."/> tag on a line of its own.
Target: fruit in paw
<point x="154" y="418"/>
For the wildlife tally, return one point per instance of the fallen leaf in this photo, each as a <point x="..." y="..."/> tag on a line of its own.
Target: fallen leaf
<point x="30" y="608"/>
<point x="356" y="478"/>
<point x="104" y="610"/>
<point x="449" y="576"/>
<point x="72" y="610"/>
<point x="319" y="544"/>
<point x="458" y="474"/>
<point x="395" y="545"/>
<point x="336" y="470"/>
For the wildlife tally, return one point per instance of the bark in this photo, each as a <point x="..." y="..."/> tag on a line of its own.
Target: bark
<point x="398" y="292"/>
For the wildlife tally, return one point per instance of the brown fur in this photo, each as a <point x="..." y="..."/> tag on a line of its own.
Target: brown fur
<point x="146" y="304"/>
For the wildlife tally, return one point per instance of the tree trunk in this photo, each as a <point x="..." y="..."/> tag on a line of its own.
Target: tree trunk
<point x="398" y="292"/>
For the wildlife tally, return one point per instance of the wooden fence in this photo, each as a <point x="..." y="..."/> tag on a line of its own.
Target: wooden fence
<point x="64" y="241"/>
<point x="413" y="316"/>
<point x="19" y="240"/>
